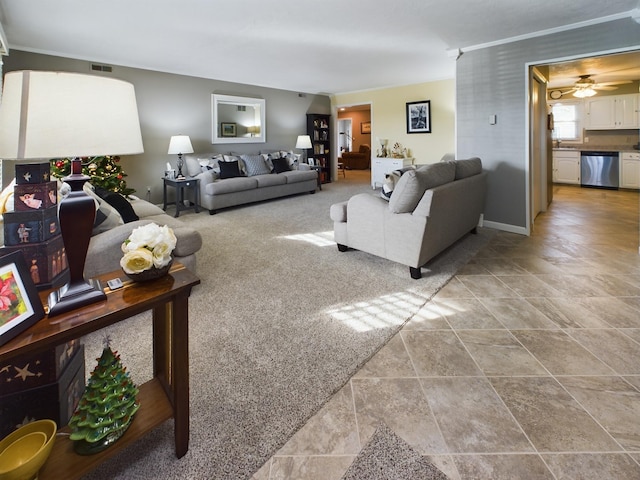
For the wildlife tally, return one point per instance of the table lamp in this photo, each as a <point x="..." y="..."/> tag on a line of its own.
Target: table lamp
<point x="47" y="115"/>
<point x="180" y="144"/>
<point x="303" y="143"/>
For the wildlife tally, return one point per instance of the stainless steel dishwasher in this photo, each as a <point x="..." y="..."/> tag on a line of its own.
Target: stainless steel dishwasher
<point x="600" y="169"/>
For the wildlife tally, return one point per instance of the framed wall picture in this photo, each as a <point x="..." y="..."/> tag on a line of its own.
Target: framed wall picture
<point x="419" y="117"/>
<point x="20" y="305"/>
<point x="228" y="129"/>
<point x="365" y="127"/>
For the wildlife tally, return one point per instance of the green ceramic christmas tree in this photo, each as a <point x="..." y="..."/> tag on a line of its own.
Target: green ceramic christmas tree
<point x="106" y="408"/>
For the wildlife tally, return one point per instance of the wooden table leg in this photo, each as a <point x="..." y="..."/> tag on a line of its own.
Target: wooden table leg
<point x="180" y="372"/>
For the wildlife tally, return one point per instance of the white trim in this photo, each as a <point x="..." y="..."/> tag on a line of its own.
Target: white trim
<point x="505" y="227"/>
<point x="550" y="31"/>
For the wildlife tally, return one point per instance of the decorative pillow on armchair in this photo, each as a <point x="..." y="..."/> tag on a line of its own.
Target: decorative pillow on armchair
<point x="390" y="181"/>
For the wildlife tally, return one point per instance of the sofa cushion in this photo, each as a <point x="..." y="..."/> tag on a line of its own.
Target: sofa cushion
<point x="255" y="165"/>
<point x="296" y="176"/>
<point x="270" y="180"/>
<point x="229" y="169"/>
<point x="412" y="185"/>
<point x="231" y="185"/>
<point x="280" y="165"/>
<point x="437" y="173"/>
<point x="467" y="168"/>
<point x="144" y="209"/>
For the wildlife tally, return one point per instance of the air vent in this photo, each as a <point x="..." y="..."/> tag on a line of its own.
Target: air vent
<point x="101" y="68"/>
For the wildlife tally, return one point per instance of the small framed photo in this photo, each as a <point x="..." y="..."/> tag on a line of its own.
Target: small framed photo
<point x="228" y="129"/>
<point x="311" y="162"/>
<point x="20" y="305"/>
<point x="419" y="117"/>
<point x="365" y="127"/>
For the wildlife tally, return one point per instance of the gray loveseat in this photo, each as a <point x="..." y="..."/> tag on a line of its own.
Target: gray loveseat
<point x="105" y="248"/>
<point x="256" y="182"/>
<point x="430" y="208"/>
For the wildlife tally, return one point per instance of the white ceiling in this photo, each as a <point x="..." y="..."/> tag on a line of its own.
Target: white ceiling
<point x="326" y="46"/>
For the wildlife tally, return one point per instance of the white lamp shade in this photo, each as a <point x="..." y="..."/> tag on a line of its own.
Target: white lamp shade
<point x="304" y="141"/>
<point x="180" y="144"/>
<point x="61" y="114"/>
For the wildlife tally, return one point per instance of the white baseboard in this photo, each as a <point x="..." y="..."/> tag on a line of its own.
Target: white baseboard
<point x="505" y="227"/>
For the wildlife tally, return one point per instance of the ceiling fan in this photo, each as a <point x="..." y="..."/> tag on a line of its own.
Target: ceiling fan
<point x="586" y="87"/>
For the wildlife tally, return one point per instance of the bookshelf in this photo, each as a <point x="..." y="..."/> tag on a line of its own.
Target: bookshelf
<point x="318" y="128"/>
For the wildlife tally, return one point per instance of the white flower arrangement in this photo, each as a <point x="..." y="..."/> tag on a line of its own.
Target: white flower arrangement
<point x="147" y="247"/>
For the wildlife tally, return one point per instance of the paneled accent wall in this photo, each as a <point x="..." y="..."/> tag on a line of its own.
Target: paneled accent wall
<point x="492" y="81"/>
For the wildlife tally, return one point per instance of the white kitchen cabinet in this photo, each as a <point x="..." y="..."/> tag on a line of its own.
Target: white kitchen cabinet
<point x="612" y="112"/>
<point x="381" y="166"/>
<point x="566" y="166"/>
<point x="630" y="170"/>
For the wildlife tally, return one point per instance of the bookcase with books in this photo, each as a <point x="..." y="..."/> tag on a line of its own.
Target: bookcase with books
<point x="318" y="128"/>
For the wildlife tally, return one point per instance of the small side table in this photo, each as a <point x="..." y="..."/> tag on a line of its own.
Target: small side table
<point x="181" y="185"/>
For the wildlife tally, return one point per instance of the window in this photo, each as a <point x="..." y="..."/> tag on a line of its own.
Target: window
<point x="567" y="121"/>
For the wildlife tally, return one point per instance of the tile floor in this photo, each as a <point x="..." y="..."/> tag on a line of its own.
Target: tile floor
<point x="525" y="366"/>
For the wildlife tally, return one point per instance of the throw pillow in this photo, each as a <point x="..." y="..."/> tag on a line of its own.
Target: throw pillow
<point x="191" y="165"/>
<point x="280" y="165"/>
<point x="255" y="165"/>
<point x="407" y="192"/>
<point x="390" y="181"/>
<point x="107" y="217"/>
<point x="120" y="203"/>
<point x="229" y="169"/>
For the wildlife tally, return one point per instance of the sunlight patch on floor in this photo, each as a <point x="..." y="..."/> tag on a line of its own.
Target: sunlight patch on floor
<point x="426" y="314"/>
<point x="319" y="239"/>
<point x="382" y="312"/>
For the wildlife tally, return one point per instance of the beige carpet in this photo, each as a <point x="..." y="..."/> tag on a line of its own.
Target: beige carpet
<point x="280" y="322"/>
<point x="386" y="456"/>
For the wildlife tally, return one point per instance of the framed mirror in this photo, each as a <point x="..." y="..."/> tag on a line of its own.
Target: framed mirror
<point x="237" y="119"/>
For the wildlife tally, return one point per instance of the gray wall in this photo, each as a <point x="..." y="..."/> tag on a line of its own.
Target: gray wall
<point x="171" y="104"/>
<point x="493" y="81"/>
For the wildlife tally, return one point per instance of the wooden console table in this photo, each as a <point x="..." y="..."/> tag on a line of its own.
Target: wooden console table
<point x="163" y="397"/>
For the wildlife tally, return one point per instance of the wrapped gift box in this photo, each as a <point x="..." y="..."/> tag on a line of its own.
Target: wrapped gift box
<point x="46" y="261"/>
<point x="55" y="401"/>
<point x="33" y="173"/>
<point x="35" y="370"/>
<point x="30" y="227"/>
<point x="35" y="196"/>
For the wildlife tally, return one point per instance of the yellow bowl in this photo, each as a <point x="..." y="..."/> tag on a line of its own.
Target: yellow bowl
<point x="29" y="469"/>
<point x="21" y="451"/>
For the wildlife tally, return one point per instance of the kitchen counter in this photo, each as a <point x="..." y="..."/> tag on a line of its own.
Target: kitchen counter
<point x="599" y="148"/>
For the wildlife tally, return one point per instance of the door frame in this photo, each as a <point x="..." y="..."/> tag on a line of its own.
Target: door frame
<point x="528" y="66"/>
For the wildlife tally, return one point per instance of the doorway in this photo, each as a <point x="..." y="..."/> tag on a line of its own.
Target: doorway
<point x="345" y="135"/>
<point x="613" y="73"/>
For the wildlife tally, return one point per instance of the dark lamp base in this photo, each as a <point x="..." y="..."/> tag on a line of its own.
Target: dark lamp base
<point x="71" y="297"/>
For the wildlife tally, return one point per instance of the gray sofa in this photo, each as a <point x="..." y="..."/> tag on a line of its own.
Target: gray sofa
<point x="105" y="248"/>
<point x="429" y="209"/>
<point x="217" y="193"/>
